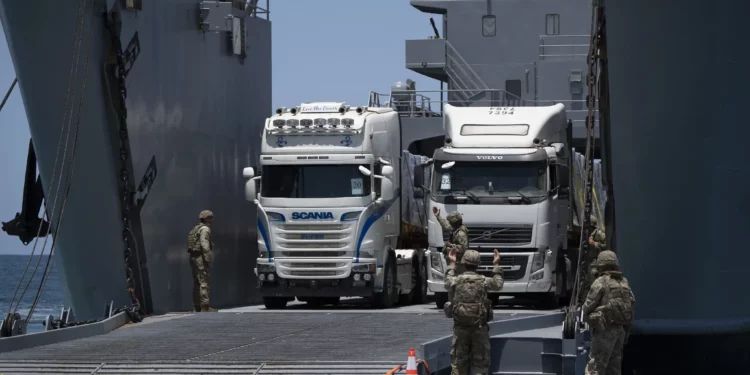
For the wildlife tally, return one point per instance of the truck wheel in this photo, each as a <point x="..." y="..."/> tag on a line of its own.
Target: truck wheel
<point x="273" y="303"/>
<point x="387" y="298"/>
<point x="420" y="290"/>
<point x="441" y="299"/>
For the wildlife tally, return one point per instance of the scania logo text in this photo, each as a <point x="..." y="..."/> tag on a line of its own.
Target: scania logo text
<point x="312" y="215"/>
<point x="489" y="157"/>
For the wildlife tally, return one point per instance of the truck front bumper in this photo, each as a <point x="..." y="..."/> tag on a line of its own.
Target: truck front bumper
<point x="511" y="288"/>
<point x="346" y="287"/>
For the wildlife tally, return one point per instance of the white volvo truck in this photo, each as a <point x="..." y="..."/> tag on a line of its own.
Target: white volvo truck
<point x="507" y="171"/>
<point x="330" y="208"/>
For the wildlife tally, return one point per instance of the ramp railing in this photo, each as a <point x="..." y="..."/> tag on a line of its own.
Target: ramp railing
<point x="529" y="345"/>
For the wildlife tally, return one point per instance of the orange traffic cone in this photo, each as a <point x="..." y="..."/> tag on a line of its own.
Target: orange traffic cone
<point x="411" y="364"/>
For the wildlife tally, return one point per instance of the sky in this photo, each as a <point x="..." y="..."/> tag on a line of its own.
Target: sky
<point x="380" y="26"/>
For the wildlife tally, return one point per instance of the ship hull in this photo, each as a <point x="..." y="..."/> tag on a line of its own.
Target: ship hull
<point x="193" y="107"/>
<point x="673" y="121"/>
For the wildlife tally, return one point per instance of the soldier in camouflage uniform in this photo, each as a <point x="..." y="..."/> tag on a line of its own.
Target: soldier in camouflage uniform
<point x="459" y="233"/>
<point x="471" y="311"/>
<point x="200" y="249"/>
<point x="596" y="243"/>
<point x="609" y="310"/>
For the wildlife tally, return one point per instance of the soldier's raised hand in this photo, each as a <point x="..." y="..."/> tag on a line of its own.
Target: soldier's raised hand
<point x="452" y="255"/>
<point x="436" y="211"/>
<point x="496" y="260"/>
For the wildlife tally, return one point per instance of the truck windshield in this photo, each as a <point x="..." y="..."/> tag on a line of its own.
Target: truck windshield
<point x="314" y="181"/>
<point x="491" y="178"/>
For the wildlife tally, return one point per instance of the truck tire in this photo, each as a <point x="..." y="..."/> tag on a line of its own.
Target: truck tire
<point x="274" y="303"/>
<point x="387" y="298"/>
<point x="441" y="299"/>
<point x="420" y="291"/>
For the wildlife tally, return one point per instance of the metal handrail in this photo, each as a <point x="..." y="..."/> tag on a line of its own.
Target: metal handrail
<point x="421" y="105"/>
<point x="583" y="46"/>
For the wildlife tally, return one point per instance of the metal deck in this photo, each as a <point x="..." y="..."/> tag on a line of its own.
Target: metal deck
<point x="343" y="340"/>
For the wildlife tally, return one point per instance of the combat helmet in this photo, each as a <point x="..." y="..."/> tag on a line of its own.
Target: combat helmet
<point x="454" y="218"/>
<point x="607" y="258"/>
<point x="471" y="258"/>
<point x="205" y="215"/>
<point x="594" y="220"/>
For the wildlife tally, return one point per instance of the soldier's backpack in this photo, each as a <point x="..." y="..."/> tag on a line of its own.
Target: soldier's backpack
<point x="194" y="240"/>
<point x="470" y="301"/>
<point x="619" y="308"/>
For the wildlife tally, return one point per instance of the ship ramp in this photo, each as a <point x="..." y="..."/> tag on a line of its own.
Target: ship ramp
<point x="348" y="339"/>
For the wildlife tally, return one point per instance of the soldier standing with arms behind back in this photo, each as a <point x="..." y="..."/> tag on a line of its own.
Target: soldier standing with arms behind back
<point x="609" y="310"/>
<point x="471" y="311"/>
<point x="200" y="249"/>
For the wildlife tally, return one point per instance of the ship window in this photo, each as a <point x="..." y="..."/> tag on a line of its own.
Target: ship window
<point x="552" y="22"/>
<point x="513" y="93"/>
<point x="488" y="25"/>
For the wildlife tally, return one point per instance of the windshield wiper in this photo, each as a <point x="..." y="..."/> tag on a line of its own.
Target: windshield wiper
<point x="523" y="196"/>
<point x="472" y="196"/>
<point x="466" y="193"/>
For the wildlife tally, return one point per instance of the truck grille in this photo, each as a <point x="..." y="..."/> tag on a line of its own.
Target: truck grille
<point x="313" y="240"/>
<point x="495" y="236"/>
<point x="313" y="254"/>
<point x="521" y="261"/>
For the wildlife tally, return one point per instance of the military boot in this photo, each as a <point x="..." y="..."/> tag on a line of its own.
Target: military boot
<point x="207" y="308"/>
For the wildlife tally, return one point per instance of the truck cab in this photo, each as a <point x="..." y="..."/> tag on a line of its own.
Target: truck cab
<point x="506" y="170"/>
<point x="329" y="206"/>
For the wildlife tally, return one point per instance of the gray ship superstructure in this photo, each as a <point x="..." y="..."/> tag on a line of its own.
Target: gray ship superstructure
<point x="503" y="53"/>
<point x="174" y="96"/>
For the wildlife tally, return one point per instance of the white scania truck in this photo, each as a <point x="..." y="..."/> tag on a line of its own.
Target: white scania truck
<point x="330" y="208"/>
<point x="507" y="171"/>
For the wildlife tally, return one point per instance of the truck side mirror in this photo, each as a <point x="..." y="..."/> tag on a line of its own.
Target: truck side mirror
<point x="418" y="193"/>
<point x="250" y="194"/>
<point x="563" y="193"/>
<point x="386" y="171"/>
<point x="386" y="189"/>
<point x="248" y="172"/>
<point x="418" y="176"/>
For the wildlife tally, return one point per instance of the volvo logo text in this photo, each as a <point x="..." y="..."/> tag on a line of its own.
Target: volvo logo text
<point x="312" y="215"/>
<point x="489" y="157"/>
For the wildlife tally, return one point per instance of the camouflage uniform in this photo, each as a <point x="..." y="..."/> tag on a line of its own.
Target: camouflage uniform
<point x="609" y="310"/>
<point x="459" y="235"/>
<point x="592" y="252"/>
<point x="471" y="340"/>
<point x="200" y="249"/>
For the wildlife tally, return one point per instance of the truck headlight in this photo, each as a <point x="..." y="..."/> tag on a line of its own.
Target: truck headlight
<point x="363" y="268"/>
<point x="436" y="261"/>
<point x="266" y="268"/>
<point x="273" y="216"/>
<point x="537" y="262"/>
